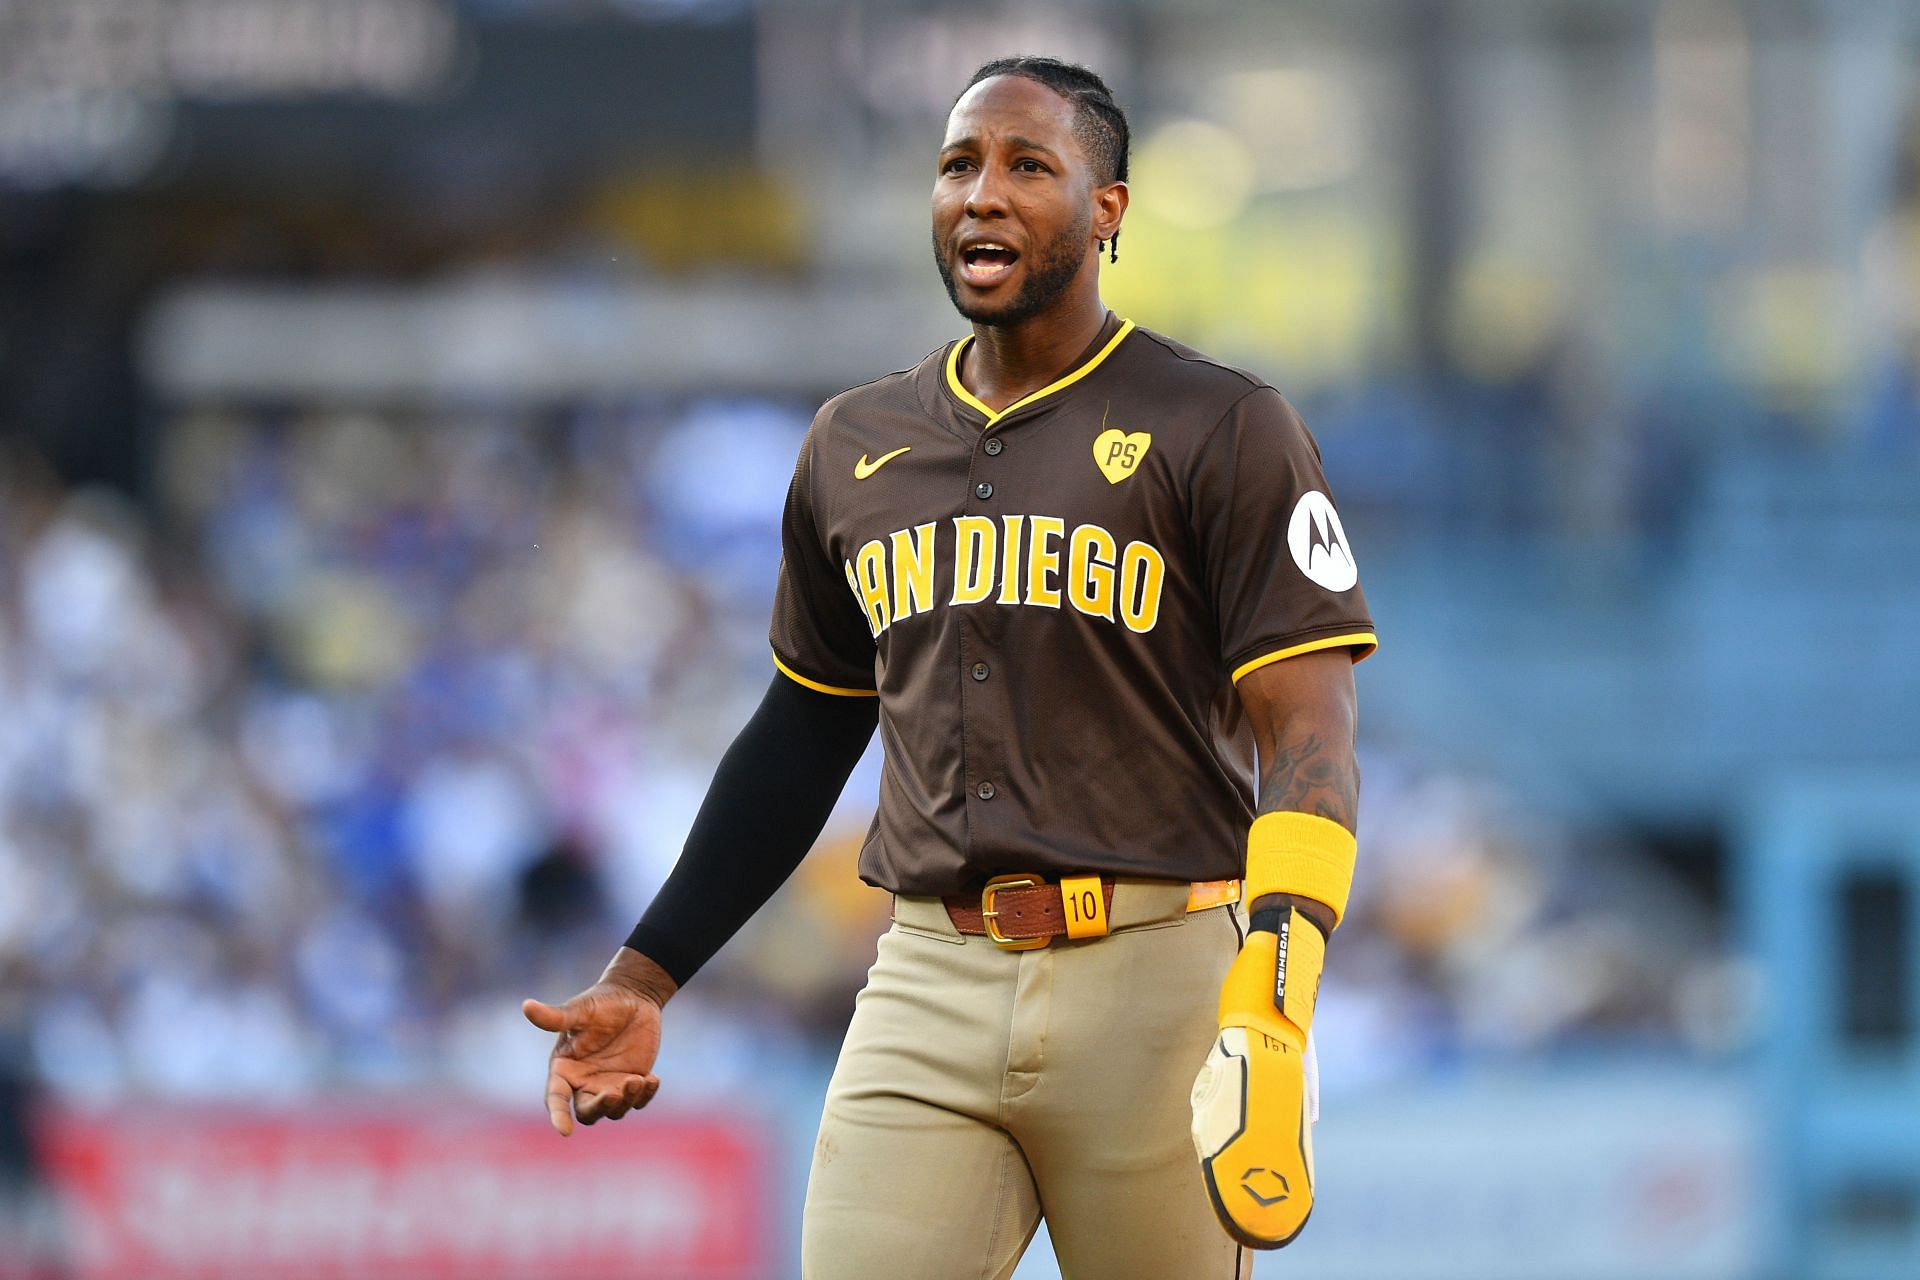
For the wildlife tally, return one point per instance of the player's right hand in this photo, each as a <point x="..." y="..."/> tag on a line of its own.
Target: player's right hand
<point x="602" y="1063"/>
<point x="1252" y="1121"/>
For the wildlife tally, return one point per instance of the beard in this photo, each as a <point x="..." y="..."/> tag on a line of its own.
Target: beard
<point x="1051" y="269"/>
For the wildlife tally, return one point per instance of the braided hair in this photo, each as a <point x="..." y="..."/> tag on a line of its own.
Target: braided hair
<point x="1100" y="126"/>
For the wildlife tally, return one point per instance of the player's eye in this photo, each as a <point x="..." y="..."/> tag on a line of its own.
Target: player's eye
<point x="1030" y="165"/>
<point x="954" y="165"/>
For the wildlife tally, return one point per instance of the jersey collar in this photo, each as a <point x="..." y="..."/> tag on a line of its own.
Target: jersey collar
<point x="967" y="397"/>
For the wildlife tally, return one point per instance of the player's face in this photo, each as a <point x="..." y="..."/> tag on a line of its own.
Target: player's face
<point x="1012" y="203"/>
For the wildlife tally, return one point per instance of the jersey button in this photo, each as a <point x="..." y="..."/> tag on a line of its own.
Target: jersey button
<point x="981" y="671"/>
<point x="993" y="446"/>
<point x="983" y="490"/>
<point x="984" y="791"/>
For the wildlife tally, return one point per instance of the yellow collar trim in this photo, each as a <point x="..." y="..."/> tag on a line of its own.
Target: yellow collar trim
<point x="1059" y="384"/>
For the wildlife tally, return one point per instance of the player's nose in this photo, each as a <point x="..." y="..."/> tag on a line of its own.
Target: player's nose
<point x="986" y="196"/>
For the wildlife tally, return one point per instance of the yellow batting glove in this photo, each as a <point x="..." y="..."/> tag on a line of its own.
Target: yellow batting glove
<point x="1250" y="1108"/>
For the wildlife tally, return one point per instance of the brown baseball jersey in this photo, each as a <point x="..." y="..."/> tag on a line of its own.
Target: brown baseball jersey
<point x="1053" y="603"/>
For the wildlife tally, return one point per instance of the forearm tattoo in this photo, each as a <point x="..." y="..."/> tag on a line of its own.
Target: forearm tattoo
<point x="1311" y="774"/>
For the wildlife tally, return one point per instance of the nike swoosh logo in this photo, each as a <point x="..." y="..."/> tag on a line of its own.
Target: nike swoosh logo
<point x="862" y="469"/>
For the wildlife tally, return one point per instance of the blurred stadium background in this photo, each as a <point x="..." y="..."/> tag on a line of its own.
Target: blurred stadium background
<point x="396" y="402"/>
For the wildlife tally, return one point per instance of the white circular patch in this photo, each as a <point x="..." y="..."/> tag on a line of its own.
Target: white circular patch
<point x="1319" y="544"/>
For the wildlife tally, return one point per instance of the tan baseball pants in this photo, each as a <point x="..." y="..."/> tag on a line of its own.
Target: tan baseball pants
<point x="980" y="1088"/>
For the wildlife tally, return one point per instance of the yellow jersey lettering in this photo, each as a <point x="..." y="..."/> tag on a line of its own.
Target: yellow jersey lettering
<point x="1091" y="557"/>
<point x="1142" y="573"/>
<point x="912" y="570"/>
<point x="1010" y="561"/>
<point x="1044" y="563"/>
<point x="872" y="566"/>
<point x="1015" y="560"/>
<point x="973" y="558"/>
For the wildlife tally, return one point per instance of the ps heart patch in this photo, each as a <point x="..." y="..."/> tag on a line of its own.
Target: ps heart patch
<point x="1118" y="453"/>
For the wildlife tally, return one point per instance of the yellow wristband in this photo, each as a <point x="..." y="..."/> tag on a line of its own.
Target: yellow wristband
<point x="1303" y="855"/>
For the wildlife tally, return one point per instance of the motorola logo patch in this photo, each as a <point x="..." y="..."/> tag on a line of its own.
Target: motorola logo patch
<point x="1319" y="544"/>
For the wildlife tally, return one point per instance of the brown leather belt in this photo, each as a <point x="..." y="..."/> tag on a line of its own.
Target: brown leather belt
<point x="1022" y="912"/>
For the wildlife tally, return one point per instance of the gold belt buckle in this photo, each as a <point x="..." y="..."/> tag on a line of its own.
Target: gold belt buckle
<point x="1016" y="880"/>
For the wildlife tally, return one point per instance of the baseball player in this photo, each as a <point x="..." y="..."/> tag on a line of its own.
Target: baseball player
<point x="1077" y="573"/>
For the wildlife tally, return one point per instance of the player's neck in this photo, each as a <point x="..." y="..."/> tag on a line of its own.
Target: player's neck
<point x="1006" y="362"/>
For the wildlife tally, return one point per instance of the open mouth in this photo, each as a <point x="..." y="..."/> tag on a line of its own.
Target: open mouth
<point x="982" y="265"/>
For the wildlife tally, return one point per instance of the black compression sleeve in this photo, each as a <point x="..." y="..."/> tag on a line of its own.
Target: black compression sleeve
<point x="769" y="798"/>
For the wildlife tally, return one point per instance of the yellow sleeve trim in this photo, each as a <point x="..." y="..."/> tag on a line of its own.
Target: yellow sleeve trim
<point x="1363" y="640"/>
<point x="817" y="687"/>
<point x="959" y="388"/>
<point x="1301" y="854"/>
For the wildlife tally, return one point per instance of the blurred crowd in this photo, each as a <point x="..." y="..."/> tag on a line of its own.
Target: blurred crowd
<point x="368" y="724"/>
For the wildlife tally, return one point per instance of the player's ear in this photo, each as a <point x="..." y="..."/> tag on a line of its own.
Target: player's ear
<point x="1109" y="208"/>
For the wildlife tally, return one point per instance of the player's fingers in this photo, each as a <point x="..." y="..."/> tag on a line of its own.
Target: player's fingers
<point x="610" y="1097"/>
<point x="560" y="1106"/>
<point x="592" y="1105"/>
<point x="549" y="1017"/>
<point x="637" y="1092"/>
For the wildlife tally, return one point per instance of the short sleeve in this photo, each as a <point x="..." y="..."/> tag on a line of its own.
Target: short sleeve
<point x="819" y="633"/>
<point x="1278" y="566"/>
